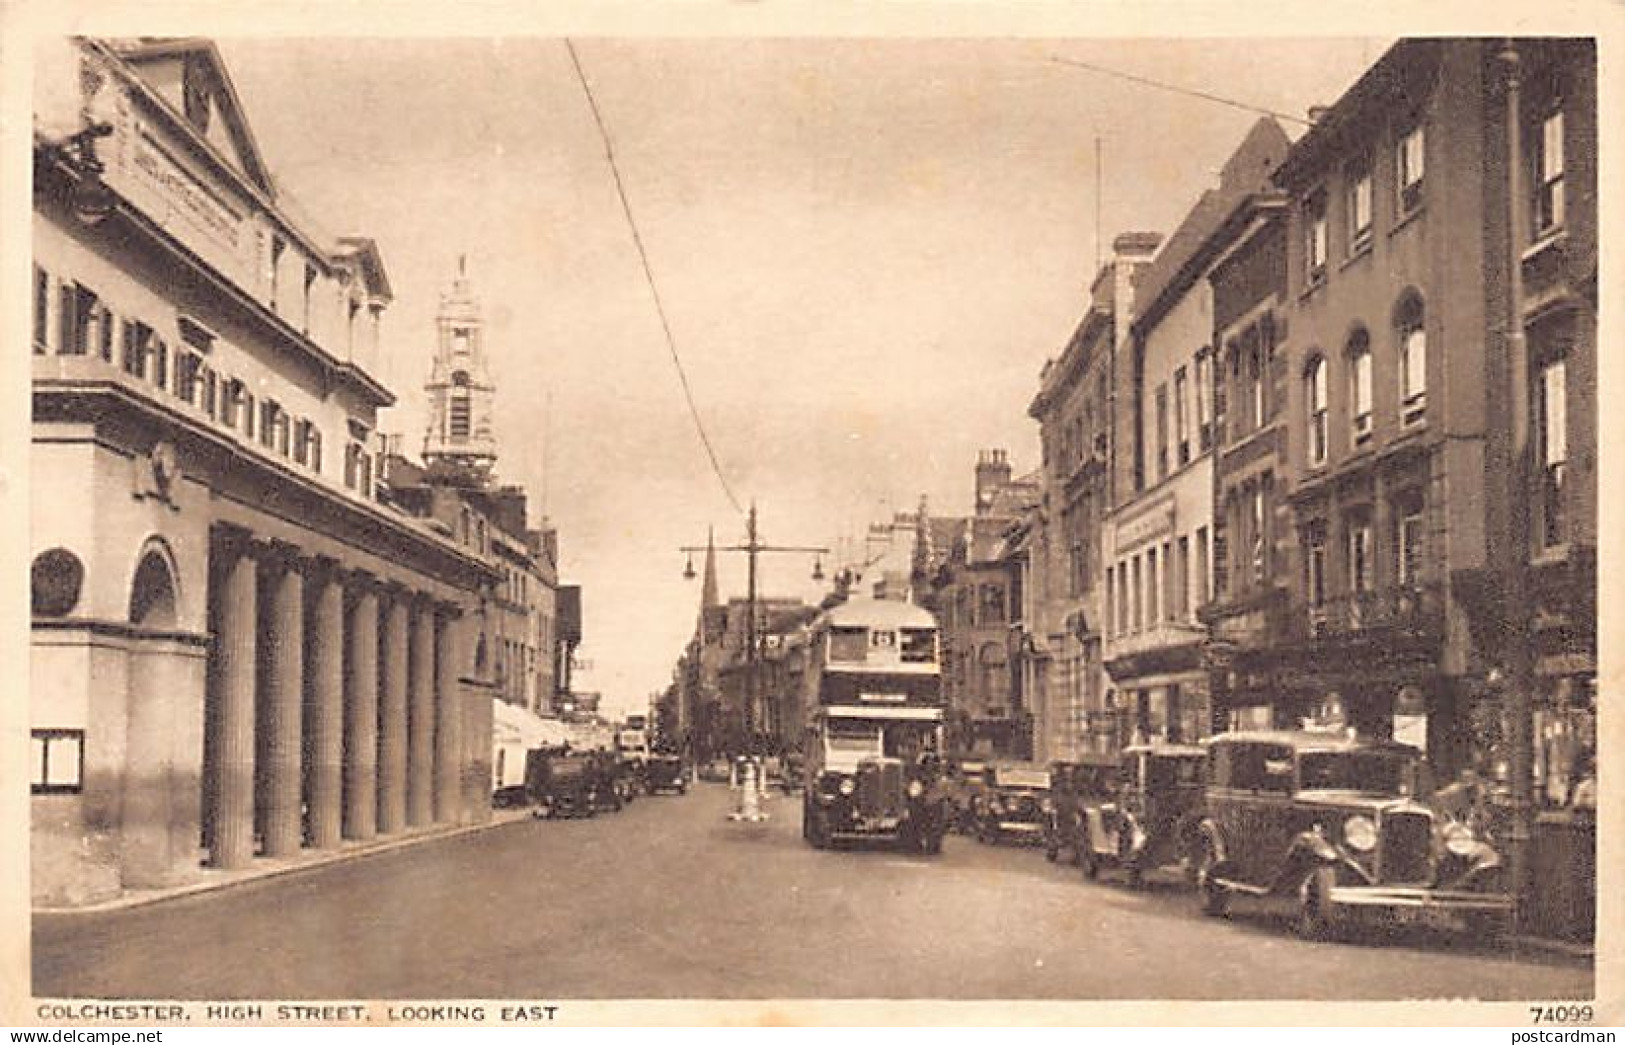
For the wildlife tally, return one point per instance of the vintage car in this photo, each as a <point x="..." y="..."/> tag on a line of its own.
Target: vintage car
<point x="559" y="783"/>
<point x="665" y="772"/>
<point x="966" y="780"/>
<point x="1327" y="823"/>
<point x="1072" y="786"/>
<point x="1152" y="819"/>
<point x="1015" y="803"/>
<point x="616" y="780"/>
<point x="882" y="798"/>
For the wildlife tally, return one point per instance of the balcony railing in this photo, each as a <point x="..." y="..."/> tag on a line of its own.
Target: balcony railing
<point x="1406" y="609"/>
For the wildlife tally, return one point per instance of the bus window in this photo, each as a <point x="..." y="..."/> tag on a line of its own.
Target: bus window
<point x="848" y="644"/>
<point x="852" y="739"/>
<point x="919" y="645"/>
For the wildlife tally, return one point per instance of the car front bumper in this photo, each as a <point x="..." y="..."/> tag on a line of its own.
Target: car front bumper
<point x="1420" y="897"/>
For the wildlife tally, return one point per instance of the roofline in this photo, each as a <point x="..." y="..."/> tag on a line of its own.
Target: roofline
<point x="1205" y="255"/>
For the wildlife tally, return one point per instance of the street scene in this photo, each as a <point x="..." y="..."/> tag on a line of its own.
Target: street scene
<point x="1069" y="519"/>
<point x="717" y="909"/>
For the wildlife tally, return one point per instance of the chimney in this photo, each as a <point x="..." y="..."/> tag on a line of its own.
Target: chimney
<point x="992" y="475"/>
<point x="1318" y="113"/>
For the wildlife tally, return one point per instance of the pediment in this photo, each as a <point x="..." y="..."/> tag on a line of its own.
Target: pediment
<point x="191" y="77"/>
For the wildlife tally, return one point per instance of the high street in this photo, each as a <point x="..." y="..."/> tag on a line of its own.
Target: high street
<point x="670" y="899"/>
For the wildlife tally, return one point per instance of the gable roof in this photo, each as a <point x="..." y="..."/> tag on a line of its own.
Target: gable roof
<point x="200" y="57"/>
<point x="1246" y="172"/>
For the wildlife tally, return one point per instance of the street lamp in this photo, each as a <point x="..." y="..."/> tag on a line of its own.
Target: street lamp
<point x="753" y="547"/>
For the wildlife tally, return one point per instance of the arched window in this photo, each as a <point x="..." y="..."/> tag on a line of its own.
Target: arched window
<point x="1314" y="386"/>
<point x="152" y="592"/>
<point x="1359" y="354"/>
<point x="1413" y="359"/>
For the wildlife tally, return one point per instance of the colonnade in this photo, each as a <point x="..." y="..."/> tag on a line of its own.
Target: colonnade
<point x="336" y="705"/>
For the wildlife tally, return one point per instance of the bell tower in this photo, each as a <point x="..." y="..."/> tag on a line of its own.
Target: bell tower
<point x="461" y="435"/>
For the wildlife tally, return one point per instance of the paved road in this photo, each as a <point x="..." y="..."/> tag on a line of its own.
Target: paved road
<point x="670" y="899"/>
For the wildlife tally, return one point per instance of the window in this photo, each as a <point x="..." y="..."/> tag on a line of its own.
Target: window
<point x="1314" y="237"/>
<point x="1152" y="615"/>
<point x="314" y="440"/>
<point x="1111" y="603"/>
<point x="460" y="414"/>
<point x="1360" y="386"/>
<point x="1136" y="594"/>
<point x="1553" y="447"/>
<point x="301" y="442"/>
<point x="1203" y="592"/>
<point x="1413" y="362"/>
<point x="1314" y="542"/>
<point x="1182" y="416"/>
<point x="211" y="393"/>
<point x="277" y="249"/>
<point x="1360" y="573"/>
<point x="1411" y="165"/>
<point x="160" y="362"/>
<point x="1258" y="553"/>
<point x="1162" y="431"/>
<point x="42" y="310"/>
<point x="1547" y="210"/>
<point x="268" y="415"/>
<point x="1409" y="541"/>
<point x="992" y="604"/>
<point x="86" y="325"/>
<point x="1204" y="399"/>
<point x="1357" y="204"/>
<point x="137" y="344"/>
<point x="1169" y="599"/>
<point x="1182" y="579"/>
<point x="310" y="282"/>
<point x="57" y="762"/>
<point x="187" y="367"/>
<point x="1255" y="383"/>
<point x="1315" y="396"/>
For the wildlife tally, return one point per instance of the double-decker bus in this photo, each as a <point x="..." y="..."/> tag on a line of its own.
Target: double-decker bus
<point x="875" y="729"/>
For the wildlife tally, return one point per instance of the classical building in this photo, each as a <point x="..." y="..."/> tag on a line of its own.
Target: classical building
<point x="238" y="652"/>
<point x="1158" y="537"/>
<point x="1063" y="666"/>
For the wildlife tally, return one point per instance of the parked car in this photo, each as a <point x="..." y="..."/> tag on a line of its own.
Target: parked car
<point x="1327" y="824"/>
<point x="1152" y="819"/>
<point x="616" y="780"/>
<point x="1014" y="803"/>
<point x="665" y="772"/>
<point x="967" y="780"/>
<point x="559" y="783"/>
<point x="716" y="770"/>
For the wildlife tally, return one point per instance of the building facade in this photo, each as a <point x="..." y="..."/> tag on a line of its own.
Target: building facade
<point x="1075" y="408"/>
<point x="1158" y="538"/>
<point x="238" y="652"/>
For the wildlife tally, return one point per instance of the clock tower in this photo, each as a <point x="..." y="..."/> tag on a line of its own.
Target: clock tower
<point x="462" y="434"/>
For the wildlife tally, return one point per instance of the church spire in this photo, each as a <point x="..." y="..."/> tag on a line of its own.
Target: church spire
<point x="708" y="587"/>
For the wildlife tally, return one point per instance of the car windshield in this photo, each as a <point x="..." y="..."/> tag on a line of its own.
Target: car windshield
<point x="1376" y="772"/>
<point x="1175" y="772"/>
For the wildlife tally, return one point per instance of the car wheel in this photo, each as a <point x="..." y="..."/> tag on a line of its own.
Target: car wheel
<point x="1089" y="862"/>
<point x="1315" y="920"/>
<point x="933" y="842"/>
<point x="1052" y="852"/>
<point x="817" y="830"/>
<point x="1135" y="875"/>
<point x="985" y="833"/>
<point x="1491" y="928"/>
<point x="1215" y="898"/>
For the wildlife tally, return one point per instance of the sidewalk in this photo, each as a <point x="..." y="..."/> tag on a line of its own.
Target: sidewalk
<point x="308" y="860"/>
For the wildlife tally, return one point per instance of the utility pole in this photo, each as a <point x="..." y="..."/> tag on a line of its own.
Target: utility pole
<point x="752" y="548"/>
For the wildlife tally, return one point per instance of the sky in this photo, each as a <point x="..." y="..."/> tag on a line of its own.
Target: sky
<point x="866" y="248"/>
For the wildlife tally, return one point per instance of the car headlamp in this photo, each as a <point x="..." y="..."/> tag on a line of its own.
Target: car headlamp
<point x="848" y="785"/>
<point x="997" y="805"/>
<point x="1459" y="840"/>
<point x="1046" y="805"/>
<point x="915" y="789"/>
<point x="1360" y="834"/>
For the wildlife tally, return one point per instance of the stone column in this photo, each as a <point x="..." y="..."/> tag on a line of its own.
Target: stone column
<point x="324" y="710"/>
<point x="420" y="716"/>
<point x="392" y="717"/>
<point x="450" y="662"/>
<point x="361" y="712"/>
<point x="284" y="707"/>
<point x="231" y="792"/>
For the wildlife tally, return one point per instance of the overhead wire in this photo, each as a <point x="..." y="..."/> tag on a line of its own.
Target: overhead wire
<point x="1176" y="89"/>
<point x="649" y="278"/>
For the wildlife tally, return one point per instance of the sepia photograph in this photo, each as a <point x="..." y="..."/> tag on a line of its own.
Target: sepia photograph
<point x="525" y="516"/>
